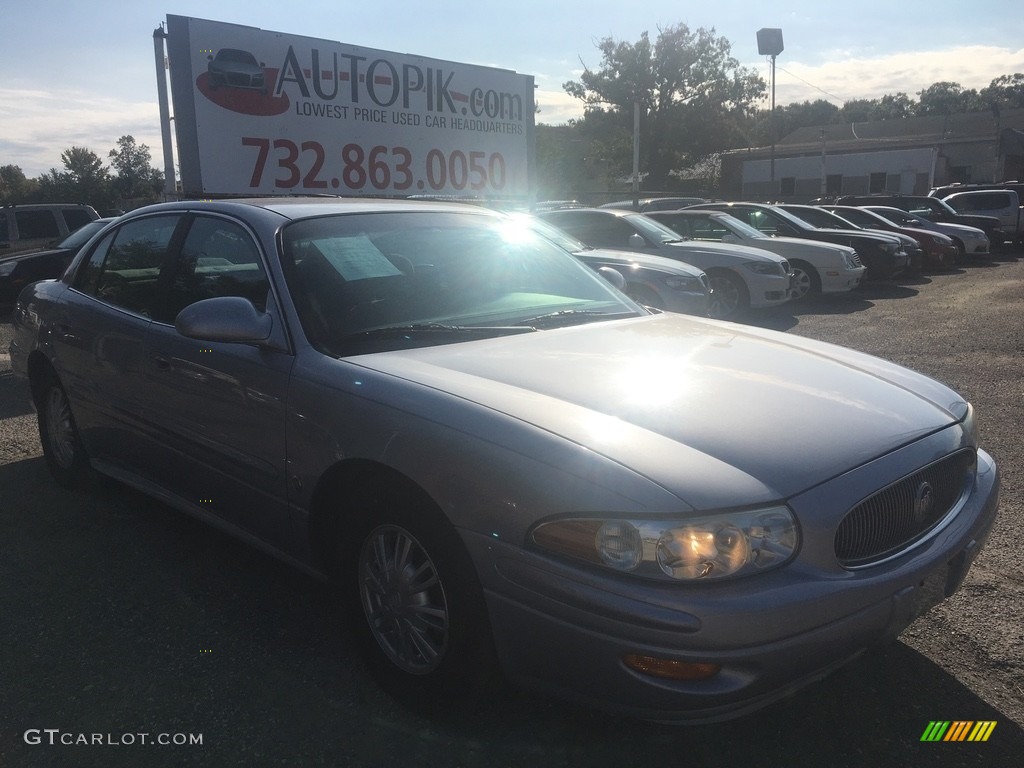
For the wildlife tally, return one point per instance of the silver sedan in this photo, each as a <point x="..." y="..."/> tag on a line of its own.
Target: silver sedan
<point x="508" y="468"/>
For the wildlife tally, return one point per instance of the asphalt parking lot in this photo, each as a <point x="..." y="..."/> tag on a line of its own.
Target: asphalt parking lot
<point x="120" y="617"/>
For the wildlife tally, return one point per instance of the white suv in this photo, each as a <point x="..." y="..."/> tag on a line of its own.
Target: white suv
<point x="1001" y="203"/>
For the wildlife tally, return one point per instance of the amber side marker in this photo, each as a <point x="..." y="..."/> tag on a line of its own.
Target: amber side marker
<point x="670" y="669"/>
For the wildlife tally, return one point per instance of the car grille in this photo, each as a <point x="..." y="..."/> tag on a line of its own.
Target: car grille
<point x="896" y="517"/>
<point x="856" y="260"/>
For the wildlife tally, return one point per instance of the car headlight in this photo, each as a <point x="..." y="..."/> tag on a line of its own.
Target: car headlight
<point x="705" y="548"/>
<point x="891" y="248"/>
<point x="764" y="267"/>
<point x="6" y="269"/>
<point x="676" y="283"/>
<point x="970" y="426"/>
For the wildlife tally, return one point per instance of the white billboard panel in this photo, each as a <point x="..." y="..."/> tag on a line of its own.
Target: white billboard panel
<point x="261" y="112"/>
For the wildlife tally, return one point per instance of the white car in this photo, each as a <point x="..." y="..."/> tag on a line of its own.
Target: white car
<point x="817" y="267"/>
<point x="741" y="277"/>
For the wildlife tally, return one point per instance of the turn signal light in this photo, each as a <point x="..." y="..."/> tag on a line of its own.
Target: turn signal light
<point x="670" y="669"/>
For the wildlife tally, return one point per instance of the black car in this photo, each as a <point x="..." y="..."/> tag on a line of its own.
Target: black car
<point x="823" y="219"/>
<point x="883" y="255"/>
<point x="932" y="209"/>
<point x="18" y="271"/>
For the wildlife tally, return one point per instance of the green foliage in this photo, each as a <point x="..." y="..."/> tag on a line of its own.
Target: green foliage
<point x="136" y="180"/>
<point x="14" y="187"/>
<point x="84" y="179"/>
<point x="692" y="93"/>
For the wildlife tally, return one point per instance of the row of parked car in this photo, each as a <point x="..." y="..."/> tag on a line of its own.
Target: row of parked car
<point x="757" y="255"/>
<point x="685" y="254"/>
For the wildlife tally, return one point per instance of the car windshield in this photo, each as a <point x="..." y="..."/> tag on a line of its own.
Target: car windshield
<point x="861" y="218"/>
<point x="367" y="282"/>
<point x="559" y="237"/>
<point x="653" y="230"/>
<point x="821" y="219"/>
<point x="81" y="236"/>
<point x="740" y="228"/>
<point x="901" y="217"/>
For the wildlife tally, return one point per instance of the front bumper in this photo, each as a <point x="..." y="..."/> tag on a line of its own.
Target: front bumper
<point x="767" y="290"/>
<point x="841" y="280"/>
<point x="565" y="630"/>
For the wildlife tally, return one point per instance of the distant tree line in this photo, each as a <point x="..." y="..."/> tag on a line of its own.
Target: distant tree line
<point x="696" y="101"/>
<point x="128" y="182"/>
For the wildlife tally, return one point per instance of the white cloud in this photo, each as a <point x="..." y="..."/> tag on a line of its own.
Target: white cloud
<point x="851" y="78"/>
<point x="40" y="125"/>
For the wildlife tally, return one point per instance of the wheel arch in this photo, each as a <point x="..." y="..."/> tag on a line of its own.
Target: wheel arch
<point x="329" y="505"/>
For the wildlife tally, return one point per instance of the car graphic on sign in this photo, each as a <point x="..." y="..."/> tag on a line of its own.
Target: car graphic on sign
<point x="234" y="68"/>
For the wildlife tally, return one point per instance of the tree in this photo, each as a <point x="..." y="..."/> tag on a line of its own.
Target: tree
<point x="14" y="187"/>
<point x="947" y="98"/>
<point x="1006" y="91"/>
<point x="83" y="180"/>
<point x="692" y="95"/>
<point x="135" y="178"/>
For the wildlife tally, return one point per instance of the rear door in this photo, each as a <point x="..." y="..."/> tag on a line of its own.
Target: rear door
<point x="99" y="337"/>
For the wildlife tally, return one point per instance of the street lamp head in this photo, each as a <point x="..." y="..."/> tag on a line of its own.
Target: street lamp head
<point x="769" y="41"/>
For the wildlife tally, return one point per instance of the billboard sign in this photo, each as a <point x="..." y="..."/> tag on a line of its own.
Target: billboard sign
<point x="259" y="112"/>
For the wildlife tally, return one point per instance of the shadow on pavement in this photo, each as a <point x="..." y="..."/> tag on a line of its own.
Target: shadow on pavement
<point x="123" y="616"/>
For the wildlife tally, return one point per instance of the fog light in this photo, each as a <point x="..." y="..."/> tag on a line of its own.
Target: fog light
<point x="671" y="669"/>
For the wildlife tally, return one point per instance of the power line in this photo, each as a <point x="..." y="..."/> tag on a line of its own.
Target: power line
<point x="812" y="85"/>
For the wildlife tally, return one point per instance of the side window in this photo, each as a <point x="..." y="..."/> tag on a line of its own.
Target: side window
<point x="75" y="218"/>
<point x="124" y="267"/>
<point x="218" y="258"/>
<point x="36" y="224"/>
<point x="608" y="232"/>
<point x="4" y="234"/>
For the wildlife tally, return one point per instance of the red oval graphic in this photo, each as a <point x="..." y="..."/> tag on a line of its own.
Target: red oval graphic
<point x="245" y="99"/>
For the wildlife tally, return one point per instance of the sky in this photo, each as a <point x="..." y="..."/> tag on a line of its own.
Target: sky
<point x="82" y="72"/>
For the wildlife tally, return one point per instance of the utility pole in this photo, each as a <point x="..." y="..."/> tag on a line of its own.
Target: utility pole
<point x="769" y="43"/>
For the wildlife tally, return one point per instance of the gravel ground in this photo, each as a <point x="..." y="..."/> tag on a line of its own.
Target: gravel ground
<point x="118" y="615"/>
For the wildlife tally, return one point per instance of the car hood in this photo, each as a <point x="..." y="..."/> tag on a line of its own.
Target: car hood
<point x="717" y="413"/>
<point x="860" y="234"/>
<point x="626" y="258"/>
<point x="794" y="246"/>
<point x="704" y="254"/>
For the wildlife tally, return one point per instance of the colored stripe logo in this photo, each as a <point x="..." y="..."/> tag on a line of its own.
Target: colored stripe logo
<point x="958" y="730"/>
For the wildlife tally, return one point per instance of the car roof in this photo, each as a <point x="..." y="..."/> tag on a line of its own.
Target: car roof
<point x="305" y="207"/>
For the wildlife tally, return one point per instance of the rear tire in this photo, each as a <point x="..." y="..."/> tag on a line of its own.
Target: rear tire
<point x="62" y="447"/>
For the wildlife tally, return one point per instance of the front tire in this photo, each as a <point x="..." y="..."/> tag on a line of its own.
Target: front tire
<point x="62" y="447"/>
<point x="806" y="281"/>
<point x="415" y="600"/>
<point x="730" y="296"/>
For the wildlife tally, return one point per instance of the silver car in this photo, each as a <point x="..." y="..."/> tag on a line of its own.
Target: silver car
<point x="506" y="466"/>
<point x="742" y="277"/>
<point x="653" y="281"/>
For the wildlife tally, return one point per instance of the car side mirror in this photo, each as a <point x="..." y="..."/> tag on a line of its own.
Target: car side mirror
<point x="225" y="319"/>
<point x="637" y="242"/>
<point x="613" y="276"/>
<point x="729" y="237"/>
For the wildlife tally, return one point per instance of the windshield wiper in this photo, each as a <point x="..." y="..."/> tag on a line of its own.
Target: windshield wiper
<point x="571" y="316"/>
<point x="438" y="328"/>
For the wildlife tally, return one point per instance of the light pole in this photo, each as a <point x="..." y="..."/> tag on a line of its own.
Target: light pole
<point x="769" y="43"/>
